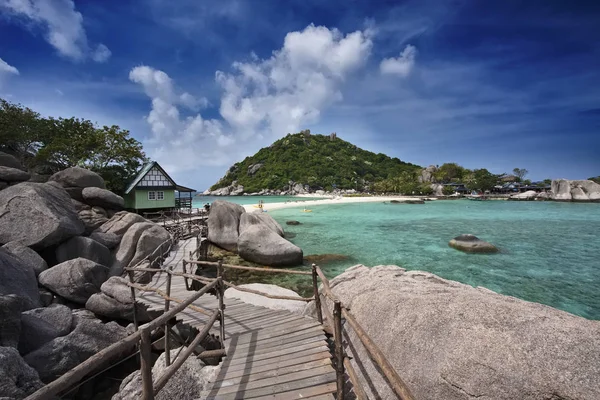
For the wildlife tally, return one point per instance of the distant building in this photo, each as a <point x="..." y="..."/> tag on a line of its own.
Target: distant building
<point x="458" y="187"/>
<point x="154" y="189"/>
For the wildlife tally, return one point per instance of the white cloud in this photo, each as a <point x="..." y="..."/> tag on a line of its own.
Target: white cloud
<point x="401" y="65"/>
<point x="62" y="23"/>
<point x="5" y="68"/>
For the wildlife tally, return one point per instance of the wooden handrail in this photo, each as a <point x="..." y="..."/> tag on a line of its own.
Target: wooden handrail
<point x="356" y="386"/>
<point x="230" y="266"/>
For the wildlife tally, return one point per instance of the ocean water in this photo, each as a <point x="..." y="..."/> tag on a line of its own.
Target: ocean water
<point x="199" y="201"/>
<point x="549" y="252"/>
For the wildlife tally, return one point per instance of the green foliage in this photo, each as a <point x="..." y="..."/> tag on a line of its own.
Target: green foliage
<point x="527" y="182"/>
<point x="595" y="179"/>
<point x="315" y="160"/>
<point x="520" y="173"/>
<point x="448" y="190"/>
<point x="425" y="189"/>
<point x="48" y="145"/>
<point x="450" y="172"/>
<point x="548" y="182"/>
<point x="483" y="179"/>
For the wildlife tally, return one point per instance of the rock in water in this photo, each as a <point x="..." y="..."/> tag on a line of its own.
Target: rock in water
<point x="75" y="280"/>
<point x="142" y="240"/>
<point x="450" y="341"/>
<point x="28" y="256"/>
<point x="10" y="315"/>
<point x="120" y="223"/>
<point x="17" y="379"/>
<point x="83" y="247"/>
<point x="102" y="198"/>
<point x="579" y="190"/>
<point x="472" y="244"/>
<point x="223" y="224"/>
<point x="8" y="174"/>
<point x="292" y="222"/>
<point x="37" y="215"/>
<point x="260" y="244"/>
<point x="18" y="278"/>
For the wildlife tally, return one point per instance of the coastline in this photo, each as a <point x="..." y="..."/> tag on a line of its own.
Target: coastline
<point x="329" y="201"/>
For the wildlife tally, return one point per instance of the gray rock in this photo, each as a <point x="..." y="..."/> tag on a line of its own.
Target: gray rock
<point x="35" y="333"/>
<point x="75" y="280"/>
<point x="578" y="190"/>
<point x="3" y="185"/>
<point x="102" y="198"/>
<point x="28" y="256"/>
<point x="292" y="222"/>
<point x="46" y="297"/>
<point x="121" y="222"/>
<point x="17" y="379"/>
<point x="143" y="240"/>
<point x="450" y="341"/>
<point x="260" y="217"/>
<point x="18" y="278"/>
<point x="252" y="169"/>
<point x="426" y="175"/>
<point x="298" y="188"/>
<point x="10" y="315"/>
<point x="92" y="218"/>
<point x="223" y="223"/>
<point x="58" y="315"/>
<point x="407" y="201"/>
<point x="260" y="244"/>
<point x="83" y="247"/>
<point x="110" y="240"/>
<point x="78" y="177"/>
<point x="472" y="244"/>
<point x="38" y="215"/>
<point x="438" y="189"/>
<point x="8" y="174"/>
<point x="115" y="301"/>
<point x="7" y="160"/>
<point x="64" y="353"/>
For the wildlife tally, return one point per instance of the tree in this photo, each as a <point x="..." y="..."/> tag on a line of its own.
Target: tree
<point x="484" y="179"/>
<point x="595" y="179"/>
<point x="449" y="172"/>
<point x="20" y="130"/>
<point x="448" y="190"/>
<point x="520" y="173"/>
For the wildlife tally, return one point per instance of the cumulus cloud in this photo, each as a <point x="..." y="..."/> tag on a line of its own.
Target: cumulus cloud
<point x="401" y="65"/>
<point x="63" y="26"/>
<point x="261" y="98"/>
<point x="5" y="68"/>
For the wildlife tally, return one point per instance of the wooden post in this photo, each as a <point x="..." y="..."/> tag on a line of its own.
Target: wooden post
<point x="135" y="320"/>
<point x="167" y="330"/>
<point x="316" y="293"/>
<point x="221" y="294"/>
<point x="339" y="349"/>
<point x="185" y="272"/>
<point x="146" y="365"/>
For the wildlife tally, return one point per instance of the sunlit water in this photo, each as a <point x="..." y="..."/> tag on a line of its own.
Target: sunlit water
<point x="550" y="252"/>
<point x="199" y="201"/>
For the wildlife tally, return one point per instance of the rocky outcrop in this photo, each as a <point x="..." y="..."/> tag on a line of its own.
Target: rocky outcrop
<point x="18" y="278"/>
<point x="260" y="244"/>
<point x="472" y="244"/>
<point x="63" y="353"/>
<point x="35" y="332"/>
<point x="223" y="222"/>
<point x="7" y="160"/>
<point x="13" y="175"/>
<point x="450" y="341"/>
<point x="427" y="174"/>
<point x="56" y="314"/>
<point x="110" y="240"/>
<point x="84" y="247"/>
<point x="438" y="189"/>
<point x="114" y="301"/>
<point x="528" y="195"/>
<point x="292" y="222"/>
<point x="45" y="207"/>
<point x="75" y="280"/>
<point x="92" y="217"/>
<point x="75" y="179"/>
<point x="10" y="315"/>
<point x="17" y="379"/>
<point x="294" y="306"/>
<point x="28" y="256"/>
<point x="252" y="169"/>
<point x="258" y="218"/>
<point x="120" y="223"/>
<point x="95" y="196"/>
<point x="142" y="240"/>
<point x="578" y="190"/>
<point x="407" y="201"/>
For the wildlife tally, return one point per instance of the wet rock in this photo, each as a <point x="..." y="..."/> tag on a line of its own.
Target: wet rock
<point x="18" y="278"/>
<point x="223" y="224"/>
<point x="17" y="379"/>
<point x="28" y="256"/>
<point x="102" y="198"/>
<point x="83" y="247"/>
<point x="472" y="244"/>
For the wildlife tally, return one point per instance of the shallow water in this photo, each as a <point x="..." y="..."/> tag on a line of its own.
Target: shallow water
<point x="550" y="252"/>
<point x="199" y="201"/>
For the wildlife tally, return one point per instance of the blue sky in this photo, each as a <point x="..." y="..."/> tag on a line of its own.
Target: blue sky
<point x="494" y="84"/>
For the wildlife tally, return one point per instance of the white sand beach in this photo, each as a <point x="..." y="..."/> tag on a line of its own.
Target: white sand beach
<point x="328" y="201"/>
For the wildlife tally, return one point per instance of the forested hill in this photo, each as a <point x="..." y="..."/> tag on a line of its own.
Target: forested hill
<point x="317" y="160"/>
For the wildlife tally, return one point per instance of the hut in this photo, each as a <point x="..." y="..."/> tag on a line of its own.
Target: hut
<point x="154" y="190"/>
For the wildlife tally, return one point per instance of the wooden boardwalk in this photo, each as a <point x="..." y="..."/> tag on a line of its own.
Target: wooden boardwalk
<point x="271" y="354"/>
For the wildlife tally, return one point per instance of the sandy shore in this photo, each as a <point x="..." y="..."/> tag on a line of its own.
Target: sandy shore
<point x="328" y="201"/>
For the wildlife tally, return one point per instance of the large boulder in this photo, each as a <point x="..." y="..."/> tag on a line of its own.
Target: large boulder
<point x="110" y="240"/>
<point x="427" y="174"/>
<point x="35" y="333"/>
<point x="102" y="198"/>
<point x="472" y="244"/>
<point x="18" y="278"/>
<point x="438" y="189"/>
<point x="119" y="223"/>
<point x="8" y="174"/>
<point x="76" y="177"/>
<point x="28" y="256"/>
<point x="142" y="241"/>
<point x="528" y="195"/>
<point x="7" y="160"/>
<point x="64" y="353"/>
<point x="58" y="315"/>
<point x="37" y="215"/>
<point x="450" y="341"/>
<point x="17" y="379"/>
<point x="92" y="218"/>
<point x="10" y="317"/>
<point x="260" y="244"/>
<point x="114" y="301"/>
<point x="578" y="190"/>
<point x="75" y="280"/>
<point x="223" y="223"/>
<point x="84" y="247"/>
<point x="257" y="218"/>
<point x="294" y="306"/>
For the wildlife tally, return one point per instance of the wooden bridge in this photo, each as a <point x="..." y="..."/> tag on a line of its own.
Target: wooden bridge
<point x="267" y="354"/>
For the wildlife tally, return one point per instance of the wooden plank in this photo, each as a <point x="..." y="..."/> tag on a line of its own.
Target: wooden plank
<point x="324" y="356"/>
<point x="278" y="341"/>
<point x="278" y="388"/>
<point x="264" y="320"/>
<point x="261" y="324"/>
<point x="269" y="373"/>
<point x="276" y="380"/>
<point x="268" y="334"/>
<point x="305" y="393"/>
<point x="275" y="356"/>
<point x="276" y="361"/>
<point x="237" y="353"/>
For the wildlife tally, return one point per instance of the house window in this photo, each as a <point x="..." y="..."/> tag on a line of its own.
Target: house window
<point x="151" y="195"/>
<point x="160" y="195"/>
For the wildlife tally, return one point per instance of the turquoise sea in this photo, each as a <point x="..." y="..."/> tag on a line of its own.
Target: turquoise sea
<point x="199" y="201"/>
<point x="550" y="252"/>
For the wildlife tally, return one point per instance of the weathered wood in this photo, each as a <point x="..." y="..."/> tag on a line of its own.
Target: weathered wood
<point x="305" y="393"/>
<point x="221" y="296"/>
<point x="275" y="361"/>
<point x="316" y="293"/>
<point x="356" y="386"/>
<point x="164" y="296"/>
<point x="268" y="334"/>
<point x="270" y="296"/>
<point x="325" y="283"/>
<point x="275" y="354"/>
<point x="133" y="303"/>
<point x="339" y="349"/>
<point x="146" y="364"/>
<point x="212" y="353"/>
<point x="167" y="329"/>
<point x="259" y="350"/>
<point x="397" y="384"/>
<point x="266" y="270"/>
<point x="281" y="342"/>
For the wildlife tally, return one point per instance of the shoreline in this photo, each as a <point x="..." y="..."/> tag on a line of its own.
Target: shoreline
<point x="329" y="201"/>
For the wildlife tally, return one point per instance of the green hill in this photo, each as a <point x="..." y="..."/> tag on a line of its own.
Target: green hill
<point x="317" y="160"/>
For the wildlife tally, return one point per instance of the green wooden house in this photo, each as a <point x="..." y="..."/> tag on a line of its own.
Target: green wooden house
<point x="154" y="189"/>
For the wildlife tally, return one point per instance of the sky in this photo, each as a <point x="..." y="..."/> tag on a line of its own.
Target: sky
<point x="203" y="84"/>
